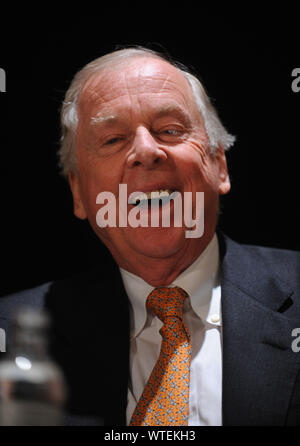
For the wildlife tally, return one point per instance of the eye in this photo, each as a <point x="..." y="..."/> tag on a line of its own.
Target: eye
<point x="112" y="141"/>
<point x="170" y="133"/>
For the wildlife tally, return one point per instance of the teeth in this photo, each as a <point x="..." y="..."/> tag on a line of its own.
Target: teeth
<point x="151" y="195"/>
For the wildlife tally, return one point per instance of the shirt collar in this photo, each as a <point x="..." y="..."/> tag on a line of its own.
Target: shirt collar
<point x="200" y="280"/>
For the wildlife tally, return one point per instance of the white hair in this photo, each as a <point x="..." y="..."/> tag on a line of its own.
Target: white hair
<point x="215" y="130"/>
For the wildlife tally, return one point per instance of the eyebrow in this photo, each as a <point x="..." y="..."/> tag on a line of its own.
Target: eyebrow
<point x="164" y="110"/>
<point x="99" y="119"/>
<point x="172" y="109"/>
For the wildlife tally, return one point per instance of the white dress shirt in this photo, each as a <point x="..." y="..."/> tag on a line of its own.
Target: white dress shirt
<point x="202" y="315"/>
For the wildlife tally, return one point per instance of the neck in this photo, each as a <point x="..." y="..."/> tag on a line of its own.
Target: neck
<point x="159" y="272"/>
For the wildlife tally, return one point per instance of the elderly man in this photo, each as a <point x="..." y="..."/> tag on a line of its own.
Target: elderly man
<point x="170" y="329"/>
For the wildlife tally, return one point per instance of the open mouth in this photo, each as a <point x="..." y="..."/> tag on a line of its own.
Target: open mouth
<point x="152" y="198"/>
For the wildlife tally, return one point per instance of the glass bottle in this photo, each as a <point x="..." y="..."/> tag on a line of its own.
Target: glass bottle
<point x="32" y="387"/>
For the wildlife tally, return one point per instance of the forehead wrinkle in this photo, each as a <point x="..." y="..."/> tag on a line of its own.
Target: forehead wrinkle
<point x="135" y="82"/>
<point x="166" y="85"/>
<point x="89" y="94"/>
<point x="160" y="71"/>
<point x="95" y="91"/>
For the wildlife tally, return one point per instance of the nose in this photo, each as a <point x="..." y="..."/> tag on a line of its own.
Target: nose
<point x="145" y="151"/>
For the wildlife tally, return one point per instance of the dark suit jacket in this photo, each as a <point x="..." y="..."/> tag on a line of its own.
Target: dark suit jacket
<point x="260" y="308"/>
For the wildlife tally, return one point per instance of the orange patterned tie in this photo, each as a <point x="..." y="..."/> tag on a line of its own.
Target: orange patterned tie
<point x="165" y="399"/>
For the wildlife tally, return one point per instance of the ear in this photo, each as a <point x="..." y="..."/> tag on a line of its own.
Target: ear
<point x="78" y="207"/>
<point x="224" y="181"/>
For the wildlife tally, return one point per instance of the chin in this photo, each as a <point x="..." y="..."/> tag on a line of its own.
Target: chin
<point x="156" y="242"/>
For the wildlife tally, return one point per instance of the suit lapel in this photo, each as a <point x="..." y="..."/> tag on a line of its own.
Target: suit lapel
<point x="259" y="366"/>
<point x="114" y="340"/>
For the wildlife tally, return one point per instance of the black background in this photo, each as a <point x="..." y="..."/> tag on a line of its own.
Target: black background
<point x="246" y="66"/>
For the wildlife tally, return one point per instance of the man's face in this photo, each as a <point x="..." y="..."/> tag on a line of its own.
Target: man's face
<point x="139" y="126"/>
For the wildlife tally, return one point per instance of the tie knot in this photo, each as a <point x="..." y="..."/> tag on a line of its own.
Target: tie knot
<point x="166" y="302"/>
